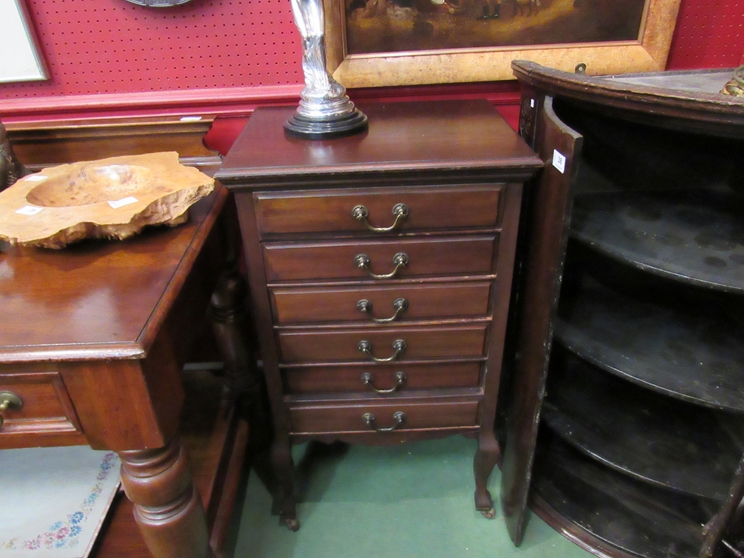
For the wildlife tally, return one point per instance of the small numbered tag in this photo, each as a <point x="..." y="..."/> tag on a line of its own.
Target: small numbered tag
<point x="559" y="161"/>
<point x="29" y="210"/>
<point x="122" y="202"/>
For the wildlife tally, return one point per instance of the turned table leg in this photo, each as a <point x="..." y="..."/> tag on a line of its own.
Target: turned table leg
<point x="231" y="324"/>
<point x="167" y="508"/>
<point x="231" y="328"/>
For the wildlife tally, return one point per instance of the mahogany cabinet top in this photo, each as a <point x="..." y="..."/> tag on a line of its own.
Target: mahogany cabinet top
<point x="416" y="138"/>
<point x="97" y="299"/>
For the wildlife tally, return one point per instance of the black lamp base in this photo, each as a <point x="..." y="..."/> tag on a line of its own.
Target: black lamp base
<point x="300" y="126"/>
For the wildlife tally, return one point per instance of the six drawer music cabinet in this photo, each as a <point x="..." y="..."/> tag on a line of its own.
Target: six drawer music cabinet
<point x="380" y="268"/>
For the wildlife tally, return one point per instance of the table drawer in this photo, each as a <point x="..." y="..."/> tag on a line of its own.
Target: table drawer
<point x="351" y="417"/>
<point x="458" y="255"/>
<point x="46" y="407"/>
<point x="417" y="343"/>
<point x="401" y="376"/>
<point x="320" y="211"/>
<point x="370" y="303"/>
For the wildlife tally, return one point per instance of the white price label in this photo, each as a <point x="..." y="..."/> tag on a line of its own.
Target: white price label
<point x="122" y="202"/>
<point x="35" y="177"/>
<point x="559" y="161"/>
<point x="29" y="210"/>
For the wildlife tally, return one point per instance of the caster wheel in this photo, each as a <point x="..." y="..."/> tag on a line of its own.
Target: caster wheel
<point x="488" y="514"/>
<point x="292" y="524"/>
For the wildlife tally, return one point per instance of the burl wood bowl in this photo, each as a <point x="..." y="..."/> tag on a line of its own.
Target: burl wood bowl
<point x="109" y="198"/>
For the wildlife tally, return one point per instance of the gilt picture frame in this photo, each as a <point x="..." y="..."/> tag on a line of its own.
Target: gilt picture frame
<point x="522" y="30"/>
<point x="20" y="56"/>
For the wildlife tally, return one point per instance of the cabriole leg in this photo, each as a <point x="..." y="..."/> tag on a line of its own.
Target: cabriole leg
<point x="486" y="458"/>
<point x="284" y="504"/>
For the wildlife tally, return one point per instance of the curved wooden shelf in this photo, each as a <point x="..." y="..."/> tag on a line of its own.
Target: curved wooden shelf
<point x="692" y="236"/>
<point x="601" y="504"/>
<point x="689" y="349"/>
<point x="649" y="437"/>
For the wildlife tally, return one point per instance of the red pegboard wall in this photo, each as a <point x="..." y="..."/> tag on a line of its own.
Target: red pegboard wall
<point x="709" y="34"/>
<point x="113" y="46"/>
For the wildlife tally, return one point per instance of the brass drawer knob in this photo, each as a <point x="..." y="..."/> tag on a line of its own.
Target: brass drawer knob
<point x="369" y="380"/>
<point x="9" y="401"/>
<point x="361" y="213"/>
<point x="400" y="260"/>
<point x="399" y="345"/>
<point x="398" y="416"/>
<point x="400" y="305"/>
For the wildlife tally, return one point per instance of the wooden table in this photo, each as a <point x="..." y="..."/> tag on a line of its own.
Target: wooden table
<point x="93" y="339"/>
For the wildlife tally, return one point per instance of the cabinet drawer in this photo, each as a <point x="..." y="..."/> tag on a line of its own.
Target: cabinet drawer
<point x="338" y="260"/>
<point x="349" y="417"/>
<point x="363" y="304"/>
<point x="328" y="379"/>
<point x="420" y="343"/>
<point x="46" y="408"/>
<point x="320" y="211"/>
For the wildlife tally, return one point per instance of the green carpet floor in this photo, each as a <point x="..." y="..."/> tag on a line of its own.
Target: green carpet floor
<point x="409" y="501"/>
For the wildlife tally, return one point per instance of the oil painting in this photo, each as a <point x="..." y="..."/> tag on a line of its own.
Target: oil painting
<point x="399" y="42"/>
<point x="414" y="25"/>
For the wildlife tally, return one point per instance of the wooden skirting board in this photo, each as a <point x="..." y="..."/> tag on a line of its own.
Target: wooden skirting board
<point x="43" y="144"/>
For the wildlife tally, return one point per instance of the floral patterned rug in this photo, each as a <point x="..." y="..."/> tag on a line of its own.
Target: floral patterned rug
<point x="54" y="500"/>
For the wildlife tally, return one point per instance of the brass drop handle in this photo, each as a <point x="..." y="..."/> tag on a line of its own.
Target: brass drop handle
<point x="366" y="347"/>
<point x="361" y="213"/>
<point x="362" y="261"/>
<point x="368" y="380"/>
<point x="399" y="304"/>
<point x="398" y="416"/>
<point x="9" y="400"/>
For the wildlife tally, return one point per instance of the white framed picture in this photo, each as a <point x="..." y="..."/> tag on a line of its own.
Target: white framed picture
<point x="20" y="58"/>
